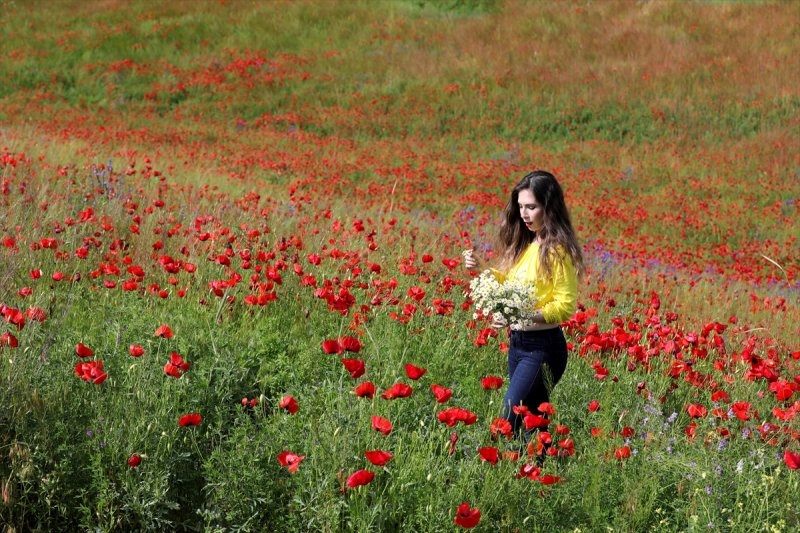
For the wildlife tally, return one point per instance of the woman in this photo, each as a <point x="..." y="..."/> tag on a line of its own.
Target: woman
<point x="538" y="246"/>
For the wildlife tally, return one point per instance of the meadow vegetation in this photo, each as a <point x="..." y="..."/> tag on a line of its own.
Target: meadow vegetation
<point x="231" y="287"/>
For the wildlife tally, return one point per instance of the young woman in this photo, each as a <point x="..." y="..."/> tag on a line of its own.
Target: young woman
<point x="537" y="245"/>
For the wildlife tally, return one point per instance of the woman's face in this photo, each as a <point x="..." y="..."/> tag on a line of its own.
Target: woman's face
<point x="530" y="210"/>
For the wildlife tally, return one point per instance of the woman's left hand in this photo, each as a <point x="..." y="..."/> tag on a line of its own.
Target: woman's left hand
<point x="498" y="322"/>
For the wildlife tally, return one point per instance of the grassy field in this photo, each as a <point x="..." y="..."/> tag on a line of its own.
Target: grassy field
<point x="231" y="287"/>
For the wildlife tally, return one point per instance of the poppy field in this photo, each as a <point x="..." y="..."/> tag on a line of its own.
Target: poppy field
<point x="232" y="289"/>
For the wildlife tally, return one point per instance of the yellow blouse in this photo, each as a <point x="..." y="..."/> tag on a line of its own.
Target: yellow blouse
<point x="556" y="297"/>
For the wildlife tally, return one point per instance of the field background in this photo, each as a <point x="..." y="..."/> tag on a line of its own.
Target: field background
<point x="262" y="177"/>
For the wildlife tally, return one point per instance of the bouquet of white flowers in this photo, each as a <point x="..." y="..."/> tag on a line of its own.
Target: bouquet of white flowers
<point x="502" y="299"/>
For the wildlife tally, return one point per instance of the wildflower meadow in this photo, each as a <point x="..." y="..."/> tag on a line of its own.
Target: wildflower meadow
<point x="232" y="290"/>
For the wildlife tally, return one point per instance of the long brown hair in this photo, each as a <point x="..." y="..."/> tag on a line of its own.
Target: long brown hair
<point x="557" y="234"/>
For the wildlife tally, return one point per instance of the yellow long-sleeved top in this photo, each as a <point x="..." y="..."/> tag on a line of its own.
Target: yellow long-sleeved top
<point x="556" y="297"/>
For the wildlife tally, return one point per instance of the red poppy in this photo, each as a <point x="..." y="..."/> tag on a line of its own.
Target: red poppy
<point x="91" y="371"/>
<point x="547" y="408"/>
<point x="135" y="350"/>
<point x="289" y="404"/>
<point x="500" y="426"/>
<point x="164" y="332"/>
<point x="530" y="471"/>
<point x="792" y="459"/>
<point x="414" y="372"/>
<point x="378" y="457"/>
<point x="720" y="396"/>
<point x="492" y="382"/>
<point x="467" y="517"/>
<point x="490" y="454"/>
<point x="381" y="424"/>
<point x="398" y="390"/>
<point x="176" y="366"/>
<point x="549" y="479"/>
<point x="690" y="430"/>
<point x="290" y="460"/>
<point x="36" y="314"/>
<point x="134" y="460"/>
<point x="356" y="367"/>
<point x="520" y="410"/>
<point x="250" y="403"/>
<point x="332" y="346"/>
<point x="623" y="452"/>
<point x="359" y="478"/>
<point x="535" y="421"/>
<point x="594" y="406"/>
<point x="350" y="344"/>
<point x="442" y="394"/>
<point x="83" y="351"/>
<point x="365" y="390"/>
<point x="783" y="389"/>
<point x="7" y="339"/>
<point x="696" y="410"/>
<point x="13" y="316"/>
<point x="741" y="410"/>
<point x="416" y="293"/>
<point x="453" y="415"/>
<point x="190" y="419"/>
<point x="453" y="441"/>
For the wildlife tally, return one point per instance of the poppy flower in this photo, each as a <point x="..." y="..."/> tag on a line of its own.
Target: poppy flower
<point x="547" y="408"/>
<point x="176" y="366"/>
<point x="549" y="479"/>
<point x="135" y="350"/>
<point x="398" y="390"/>
<point x="83" y="351"/>
<point x="741" y="410"/>
<point x="36" y="314"/>
<point x="467" y="517"/>
<point x="696" y="410"/>
<point x="453" y="441"/>
<point x="594" y="406"/>
<point x="529" y="471"/>
<point x="490" y="454"/>
<point x="91" y="371"/>
<point x="535" y="421"/>
<point x="190" y="419"/>
<point x="623" y="452"/>
<point x="378" y="457"/>
<point x="365" y="390"/>
<point x="289" y="404"/>
<point x="454" y="415"/>
<point x="249" y="403"/>
<point x="381" y="424"/>
<point x="359" y="478"/>
<point x="7" y="339"/>
<point x="491" y="382"/>
<point x="500" y="426"/>
<point x="350" y="344"/>
<point x="414" y="372"/>
<point x="792" y="459"/>
<point x="416" y="293"/>
<point x="442" y="394"/>
<point x="164" y="332"/>
<point x="134" y="460"/>
<point x="290" y="460"/>
<point x="331" y="347"/>
<point x="356" y="367"/>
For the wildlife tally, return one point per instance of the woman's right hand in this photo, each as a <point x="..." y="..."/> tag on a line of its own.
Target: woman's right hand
<point x="469" y="259"/>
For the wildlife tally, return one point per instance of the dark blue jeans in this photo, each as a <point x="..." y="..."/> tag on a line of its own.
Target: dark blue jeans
<point x="536" y="361"/>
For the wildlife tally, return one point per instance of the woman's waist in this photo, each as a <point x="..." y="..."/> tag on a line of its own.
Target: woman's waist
<point x="537" y="326"/>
